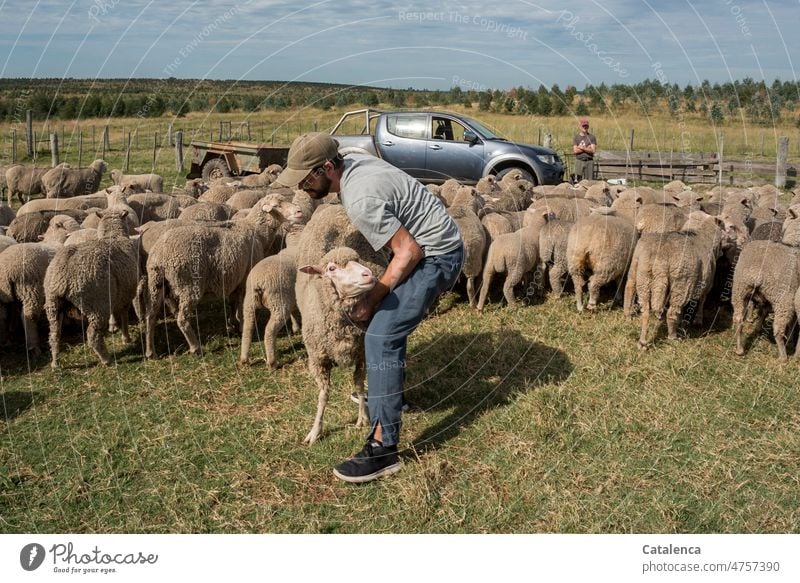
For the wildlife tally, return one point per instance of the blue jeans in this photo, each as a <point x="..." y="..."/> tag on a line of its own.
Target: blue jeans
<point x="397" y="316"/>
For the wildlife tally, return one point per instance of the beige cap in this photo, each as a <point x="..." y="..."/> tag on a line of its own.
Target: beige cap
<point x="307" y="152"/>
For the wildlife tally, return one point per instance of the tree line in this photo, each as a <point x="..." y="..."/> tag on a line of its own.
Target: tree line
<point x="757" y="101"/>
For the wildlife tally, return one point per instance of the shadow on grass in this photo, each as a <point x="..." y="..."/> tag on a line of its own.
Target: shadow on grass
<point x="14" y="403"/>
<point x="471" y="374"/>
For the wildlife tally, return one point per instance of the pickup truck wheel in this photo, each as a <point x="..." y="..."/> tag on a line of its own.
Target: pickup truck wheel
<point x="214" y="169"/>
<point x="525" y="174"/>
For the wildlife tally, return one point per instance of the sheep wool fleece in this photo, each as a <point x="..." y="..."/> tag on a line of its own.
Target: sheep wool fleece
<point x="380" y="198"/>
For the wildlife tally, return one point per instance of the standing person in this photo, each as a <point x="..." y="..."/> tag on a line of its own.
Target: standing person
<point x="583" y="146"/>
<point x="395" y="211"/>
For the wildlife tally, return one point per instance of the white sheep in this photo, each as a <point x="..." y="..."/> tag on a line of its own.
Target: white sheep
<point x="144" y="182"/>
<point x="96" y="278"/>
<point x="326" y="293"/>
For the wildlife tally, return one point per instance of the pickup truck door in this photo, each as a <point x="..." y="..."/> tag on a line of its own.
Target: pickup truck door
<point x="449" y="155"/>
<point x="400" y="139"/>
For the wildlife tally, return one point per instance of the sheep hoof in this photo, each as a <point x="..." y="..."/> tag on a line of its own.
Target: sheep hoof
<point x="54" y="365"/>
<point x="739" y="352"/>
<point x="643" y="346"/>
<point x="311" y="437"/>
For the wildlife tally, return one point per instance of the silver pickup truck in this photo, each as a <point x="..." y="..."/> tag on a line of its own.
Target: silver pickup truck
<point x="433" y="146"/>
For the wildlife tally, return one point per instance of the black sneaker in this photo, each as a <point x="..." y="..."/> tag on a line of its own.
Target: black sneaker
<point x="354" y="398"/>
<point x="370" y="463"/>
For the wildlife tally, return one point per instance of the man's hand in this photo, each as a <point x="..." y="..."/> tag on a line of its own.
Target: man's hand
<point x="367" y="304"/>
<point x="406" y="254"/>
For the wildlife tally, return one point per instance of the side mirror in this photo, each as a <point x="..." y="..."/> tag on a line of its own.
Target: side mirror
<point x="470" y="136"/>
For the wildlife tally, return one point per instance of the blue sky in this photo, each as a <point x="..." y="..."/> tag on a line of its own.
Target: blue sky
<point x="404" y="44"/>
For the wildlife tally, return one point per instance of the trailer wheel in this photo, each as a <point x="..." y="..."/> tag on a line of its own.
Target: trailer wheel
<point x="214" y="169"/>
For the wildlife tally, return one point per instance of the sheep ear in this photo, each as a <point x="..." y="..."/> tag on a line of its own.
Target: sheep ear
<point x="639" y="200"/>
<point x="268" y="207"/>
<point x="123" y="214"/>
<point x="676" y="198"/>
<point x="310" y="269"/>
<point x="698" y="198"/>
<point x="792" y="213"/>
<point x="774" y="211"/>
<point x="137" y="229"/>
<point x="40" y="238"/>
<point x="108" y="191"/>
<point x="746" y="203"/>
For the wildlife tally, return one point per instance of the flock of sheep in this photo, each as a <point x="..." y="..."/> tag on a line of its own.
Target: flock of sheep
<point x="93" y="255"/>
<point x="667" y="249"/>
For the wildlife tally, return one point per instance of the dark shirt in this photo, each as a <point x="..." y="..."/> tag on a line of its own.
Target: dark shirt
<point x="584" y="141"/>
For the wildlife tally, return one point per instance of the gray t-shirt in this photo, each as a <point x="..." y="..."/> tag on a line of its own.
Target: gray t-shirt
<point x="379" y="198"/>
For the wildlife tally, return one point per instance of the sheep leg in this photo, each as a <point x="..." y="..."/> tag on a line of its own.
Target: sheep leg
<point x="112" y="324"/>
<point x="471" y="291"/>
<point x="184" y="321"/>
<point x="512" y="279"/>
<point x="277" y="321"/>
<point x="359" y="374"/>
<point x="644" y="304"/>
<point x="673" y="316"/>
<point x="738" y="324"/>
<point x="140" y="300"/>
<point x="594" y="292"/>
<point x="151" y="319"/>
<point x="578" y="282"/>
<point x="556" y="281"/>
<point x="322" y="375"/>
<point x="698" y="315"/>
<point x="55" y="319"/>
<point x="780" y="327"/>
<point x="122" y="318"/>
<point x="296" y="327"/>
<point x="249" y="323"/>
<point x="488" y="274"/>
<point x="31" y="332"/>
<point x="94" y="337"/>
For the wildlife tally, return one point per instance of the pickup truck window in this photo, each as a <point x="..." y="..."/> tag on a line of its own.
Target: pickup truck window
<point x="444" y="128"/>
<point x="408" y="126"/>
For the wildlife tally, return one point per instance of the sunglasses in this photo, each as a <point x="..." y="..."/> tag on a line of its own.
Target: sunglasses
<point x="312" y="176"/>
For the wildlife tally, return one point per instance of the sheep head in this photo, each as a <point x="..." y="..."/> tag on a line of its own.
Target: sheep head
<point x="349" y="278"/>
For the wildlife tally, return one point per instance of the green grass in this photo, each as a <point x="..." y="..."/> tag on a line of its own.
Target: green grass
<point x="533" y="419"/>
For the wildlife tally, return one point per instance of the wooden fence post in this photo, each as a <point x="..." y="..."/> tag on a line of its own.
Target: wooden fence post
<point x="719" y="156"/>
<point x="106" y="145"/>
<point x="539" y="141"/>
<point x="136" y="136"/>
<point x="54" y="149"/>
<point x="780" y="167"/>
<point x="29" y="133"/>
<point x="127" y="165"/>
<point x="94" y="144"/>
<point x="80" y="147"/>
<point x="631" y="142"/>
<point x="155" y="143"/>
<point x="169" y="134"/>
<point x="13" y="146"/>
<point x="33" y="141"/>
<point x="179" y="150"/>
